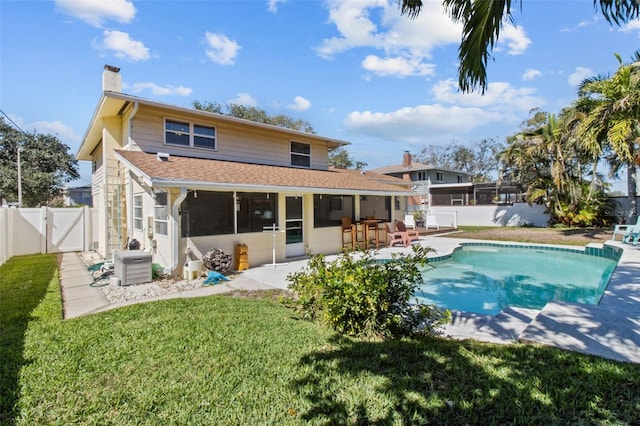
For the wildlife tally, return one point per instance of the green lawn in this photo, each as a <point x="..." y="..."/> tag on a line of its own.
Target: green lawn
<point x="229" y="361"/>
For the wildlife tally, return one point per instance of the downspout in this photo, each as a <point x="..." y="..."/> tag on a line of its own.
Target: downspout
<point x="134" y="111"/>
<point x="175" y="234"/>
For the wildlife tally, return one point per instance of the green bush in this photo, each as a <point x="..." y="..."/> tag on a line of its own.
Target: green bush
<point x="360" y="296"/>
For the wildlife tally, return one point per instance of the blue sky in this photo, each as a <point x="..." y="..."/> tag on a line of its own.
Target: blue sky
<point x="355" y="70"/>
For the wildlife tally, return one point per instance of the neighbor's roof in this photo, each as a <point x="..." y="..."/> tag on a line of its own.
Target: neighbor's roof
<point x="198" y="173"/>
<point x="413" y="167"/>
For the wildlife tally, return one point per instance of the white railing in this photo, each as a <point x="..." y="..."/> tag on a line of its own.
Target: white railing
<point x="449" y="220"/>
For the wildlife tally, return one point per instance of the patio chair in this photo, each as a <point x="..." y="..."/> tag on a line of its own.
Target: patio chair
<point x="412" y="234"/>
<point x="632" y="237"/>
<point x="625" y="230"/>
<point x="396" y="237"/>
<point x="409" y="221"/>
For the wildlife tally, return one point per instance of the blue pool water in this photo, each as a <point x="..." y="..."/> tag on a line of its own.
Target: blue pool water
<point x="488" y="278"/>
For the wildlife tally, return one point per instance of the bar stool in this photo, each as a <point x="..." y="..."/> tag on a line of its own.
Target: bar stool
<point x="347" y="230"/>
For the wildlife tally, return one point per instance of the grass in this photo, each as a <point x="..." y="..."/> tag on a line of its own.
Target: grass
<point x="556" y="235"/>
<point x="226" y="360"/>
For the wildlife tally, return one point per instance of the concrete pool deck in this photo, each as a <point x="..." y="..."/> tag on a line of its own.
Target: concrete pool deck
<point x="610" y="329"/>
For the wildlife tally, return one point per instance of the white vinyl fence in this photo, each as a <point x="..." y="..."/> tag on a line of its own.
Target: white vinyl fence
<point x="517" y="214"/>
<point x="46" y="230"/>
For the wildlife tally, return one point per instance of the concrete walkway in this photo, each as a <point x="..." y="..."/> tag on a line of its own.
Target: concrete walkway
<point x="610" y="329"/>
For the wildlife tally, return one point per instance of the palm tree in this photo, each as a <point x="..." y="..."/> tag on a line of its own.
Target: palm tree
<point x="481" y="23"/>
<point x="612" y="121"/>
<point x="546" y="159"/>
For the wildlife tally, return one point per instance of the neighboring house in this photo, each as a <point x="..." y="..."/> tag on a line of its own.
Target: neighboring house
<point x="440" y="186"/>
<point x="78" y="196"/>
<point x="180" y="180"/>
<point x="434" y="186"/>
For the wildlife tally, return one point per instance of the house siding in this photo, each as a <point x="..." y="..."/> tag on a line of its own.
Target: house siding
<point x="233" y="143"/>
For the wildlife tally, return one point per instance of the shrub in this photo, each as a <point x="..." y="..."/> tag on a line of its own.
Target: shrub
<point x="360" y="296"/>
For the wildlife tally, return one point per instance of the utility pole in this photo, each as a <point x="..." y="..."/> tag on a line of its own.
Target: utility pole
<point x="19" y="179"/>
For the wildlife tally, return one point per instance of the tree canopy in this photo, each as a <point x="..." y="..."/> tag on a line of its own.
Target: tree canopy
<point x="341" y="159"/>
<point x="610" y="125"/>
<point x="481" y="159"/>
<point x="254" y="114"/>
<point x="482" y="21"/>
<point x="46" y="166"/>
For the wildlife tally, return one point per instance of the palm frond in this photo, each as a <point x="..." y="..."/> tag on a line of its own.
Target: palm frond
<point x="480" y="32"/>
<point x="411" y="8"/>
<point x="619" y="11"/>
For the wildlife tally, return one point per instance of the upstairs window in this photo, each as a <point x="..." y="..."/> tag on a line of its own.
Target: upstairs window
<point x="300" y="154"/>
<point x="422" y="175"/>
<point x="204" y="137"/>
<point x="460" y="179"/>
<point x="183" y="133"/>
<point x="176" y="133"/>
<point x="439" y="177"/>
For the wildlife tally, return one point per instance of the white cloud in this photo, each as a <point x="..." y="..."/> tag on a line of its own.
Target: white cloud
<point x="515" y="37"/>
<point x="244" y="99"/>
<point x="417" y="125"/>
<point x="58" y="129"/>
<point x="582" y="24"/>
<point x="631" y="26"/>
<point x="300" y="104"/>
<point x="378" y="24"/>
<point x="123" y="46"/>
<point x="160" y="90"/>
<point x="451" y="115"/>
<point x="96" y="12"/>
<point x="579" y="75"/>
<point x="272" y="5"/>
<point x="398" y="66"/>
<point x="221" y="49"/>
<point x="531" y="74"/>
<point x="499" y="96"/>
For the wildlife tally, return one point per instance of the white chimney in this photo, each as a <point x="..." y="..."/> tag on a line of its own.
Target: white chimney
<point x="111" y="79"/>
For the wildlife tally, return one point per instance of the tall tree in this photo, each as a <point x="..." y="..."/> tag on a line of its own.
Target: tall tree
<point x="341" y="159"/>
<point x="46" y="166"/>
<point x="546" y="160"/>
<point x="255" y="114"/>
<point x="481" y="159"/>
<point x="482" y="21"/>
<point x="612" y="120"/>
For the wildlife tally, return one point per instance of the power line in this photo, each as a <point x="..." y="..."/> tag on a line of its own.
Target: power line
<point x="14" y="123"/>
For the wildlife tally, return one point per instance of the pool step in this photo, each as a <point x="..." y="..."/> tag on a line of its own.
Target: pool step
<point x="509" y="323"/>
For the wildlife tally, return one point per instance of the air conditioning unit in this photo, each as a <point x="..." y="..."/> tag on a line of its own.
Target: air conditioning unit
<point x="132" y="267"/>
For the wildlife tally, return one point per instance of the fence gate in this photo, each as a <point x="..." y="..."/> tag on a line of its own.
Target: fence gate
<point x="65" y="230"/>
<point x="46" y="230"/>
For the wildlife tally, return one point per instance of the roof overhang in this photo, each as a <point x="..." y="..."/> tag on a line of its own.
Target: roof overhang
<point x="214" y="186"/>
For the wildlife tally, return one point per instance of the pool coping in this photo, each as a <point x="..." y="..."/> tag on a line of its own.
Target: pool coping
<point x="610" y="329"/>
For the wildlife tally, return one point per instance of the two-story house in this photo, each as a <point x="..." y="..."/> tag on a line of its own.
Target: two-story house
<point x="178" y="179"/>
<point x="433" y="185"/>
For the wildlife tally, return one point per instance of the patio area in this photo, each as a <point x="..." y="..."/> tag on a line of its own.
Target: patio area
<point x="610" y="329"/>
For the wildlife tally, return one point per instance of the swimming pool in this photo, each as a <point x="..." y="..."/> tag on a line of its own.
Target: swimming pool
<point x="486" y="278"/>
